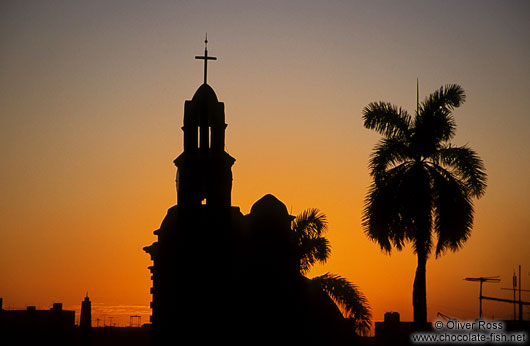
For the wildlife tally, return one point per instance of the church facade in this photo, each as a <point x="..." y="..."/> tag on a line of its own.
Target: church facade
<point x="219" y="275"/>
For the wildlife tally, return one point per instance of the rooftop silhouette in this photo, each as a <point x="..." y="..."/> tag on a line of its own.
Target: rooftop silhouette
<point x="32" y="326"/>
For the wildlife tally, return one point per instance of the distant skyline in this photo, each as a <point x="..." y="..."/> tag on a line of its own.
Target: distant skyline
<point x="91" y="105"/>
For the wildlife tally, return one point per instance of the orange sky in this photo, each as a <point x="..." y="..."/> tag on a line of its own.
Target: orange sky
<point x="91" y="105"/>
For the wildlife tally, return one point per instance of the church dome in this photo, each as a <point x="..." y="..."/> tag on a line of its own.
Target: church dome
<point x="204" y="94"/>
<point x="269" y="205"/>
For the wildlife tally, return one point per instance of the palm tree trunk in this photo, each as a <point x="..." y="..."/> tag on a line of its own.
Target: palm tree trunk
<point x="419" y="294"/>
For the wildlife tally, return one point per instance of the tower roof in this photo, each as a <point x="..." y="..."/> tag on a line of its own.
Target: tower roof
<point x="204" y="94"/>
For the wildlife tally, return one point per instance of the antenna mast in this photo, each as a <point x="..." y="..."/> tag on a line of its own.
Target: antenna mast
<point x="482" y="280"/>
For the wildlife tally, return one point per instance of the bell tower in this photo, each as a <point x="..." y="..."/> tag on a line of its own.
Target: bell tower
<point x="204" y="169"/>
<point x="195" y="246"/>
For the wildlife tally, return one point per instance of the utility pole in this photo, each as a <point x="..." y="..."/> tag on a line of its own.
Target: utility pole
<point x="514" y="285"/>
<point x="520" y="302"/>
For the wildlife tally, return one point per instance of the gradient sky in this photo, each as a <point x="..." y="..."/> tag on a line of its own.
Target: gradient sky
<point x="91" y="104"/>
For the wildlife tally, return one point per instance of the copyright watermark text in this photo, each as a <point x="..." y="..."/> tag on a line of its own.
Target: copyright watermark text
<point x="467" y="332"/>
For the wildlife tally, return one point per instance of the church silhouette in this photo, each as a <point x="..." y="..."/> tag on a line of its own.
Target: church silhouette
<point x="219" y="275"/>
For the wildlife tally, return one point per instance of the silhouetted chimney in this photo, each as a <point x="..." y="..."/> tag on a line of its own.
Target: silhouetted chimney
<point x="57" y="307"/>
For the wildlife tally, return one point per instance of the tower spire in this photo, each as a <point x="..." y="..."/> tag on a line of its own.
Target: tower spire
<point x="206" y="58"/>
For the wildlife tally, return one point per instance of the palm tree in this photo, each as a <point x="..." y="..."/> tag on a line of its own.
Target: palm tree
<point x="422" y="185"/>
<point x="313" y="247"/>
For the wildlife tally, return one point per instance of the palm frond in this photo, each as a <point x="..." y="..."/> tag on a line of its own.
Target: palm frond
<point x="387" y="119"/>
<point x="446" y="98"/>
<point x="311" y="251"/>
<point x="453" y="211"/>
<point x="467" y="165"/>
<point x="350" y="300"/>
<point x="388" y="153"/>
<point x="310" y="222"/>
<point x="435" y="123"/>
<point x="384" y="219"/>
<point x="308" y="228"/>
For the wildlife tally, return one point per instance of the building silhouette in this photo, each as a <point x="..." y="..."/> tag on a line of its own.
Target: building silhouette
<point x="219" y="275"/>
<point x="53" y="326"/>
<point x="392" y="331"/>
<point x="86" y="313"/>
<point x="85" y="322"/>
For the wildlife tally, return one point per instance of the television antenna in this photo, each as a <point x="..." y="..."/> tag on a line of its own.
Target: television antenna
<point x="519" y="301"/>
<point x="483" y="279"/>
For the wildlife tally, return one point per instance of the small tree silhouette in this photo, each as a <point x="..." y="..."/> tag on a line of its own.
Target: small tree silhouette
<point x="309" y="227"/>
<point x="421" y="183"/>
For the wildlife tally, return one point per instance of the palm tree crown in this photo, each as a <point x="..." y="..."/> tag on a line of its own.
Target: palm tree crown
<point x="309" y="228"/>
<point x="421" y="183"/>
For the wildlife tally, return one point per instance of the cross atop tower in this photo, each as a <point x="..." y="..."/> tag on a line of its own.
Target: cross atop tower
<point x="206" y="58"/>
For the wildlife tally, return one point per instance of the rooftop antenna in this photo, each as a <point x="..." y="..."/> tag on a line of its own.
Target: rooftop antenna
<point x="519" y="301"/>
<point x="483" y="279"/>
<point x="514" y="288"/>
<point x="206" y="58"/>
